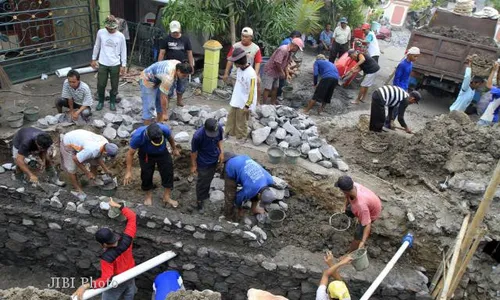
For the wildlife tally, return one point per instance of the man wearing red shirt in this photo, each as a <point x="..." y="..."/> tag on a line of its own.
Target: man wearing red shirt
<point x="364" y="205"/>
<point x="117" y="258"/>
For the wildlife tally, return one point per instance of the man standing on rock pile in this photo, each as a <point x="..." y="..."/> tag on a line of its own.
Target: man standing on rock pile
<point x="79" y="147"/>
<point x="468" y="88"/>
<point x="363" y="204"/>
<point x="151" y="141"/>
<point x="116" y="259"/>
<point x="254" y="180"/>
<point x="206" y="153"/>
<point x="26" y="142"/>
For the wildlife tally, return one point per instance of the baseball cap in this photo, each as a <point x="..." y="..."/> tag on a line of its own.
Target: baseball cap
<point x="267" y="196"/>
<point x="155" y="134"/>
<point x="416" y="95"/>
<point x="238" y="53"/>
<point x="343" y="20"/>
<point x="111" y="22"/>
<point x="106" y="236"/>
<point x="345" y="183"/>
<point x="338" y="290"/>
<point x="175" y="26"/>
<point x="212" y="127"/>
<point x="365" y="26"/>
<point x="414" y="51"/>
<point x="111" y="149"/>
<point x="299" y="43"/>
<point x="247" y="31"/>
<point x="228" y="155"/>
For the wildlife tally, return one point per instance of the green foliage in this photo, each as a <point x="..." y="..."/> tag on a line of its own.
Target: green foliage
<point x="305" y="14"/>
<point x="495" y="4"/>
<point x="375" y="16"/>
<point x="420" y="4"/>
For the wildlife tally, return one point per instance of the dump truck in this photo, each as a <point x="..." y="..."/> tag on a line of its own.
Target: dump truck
<point x="445" y="43"/>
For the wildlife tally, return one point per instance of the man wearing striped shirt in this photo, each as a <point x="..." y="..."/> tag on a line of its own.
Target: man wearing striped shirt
<point x="394" y="98"/>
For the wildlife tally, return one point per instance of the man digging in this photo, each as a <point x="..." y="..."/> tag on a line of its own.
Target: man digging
<point x="151" y="141"/>
<point x="254" y="180"/>
<point x="329" y="80"/>
<point x="364" y="205"/>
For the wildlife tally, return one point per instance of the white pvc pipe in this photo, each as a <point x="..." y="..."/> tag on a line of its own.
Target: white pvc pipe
<point x="86" y="70"/>
<point x="385" y="271"/>
<point x="63" y="72"/>
<point x="129" y="274"/>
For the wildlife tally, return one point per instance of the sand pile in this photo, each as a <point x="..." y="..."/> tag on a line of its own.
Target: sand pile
<point x="459" y="33"/>
<point x="31" y="293"/>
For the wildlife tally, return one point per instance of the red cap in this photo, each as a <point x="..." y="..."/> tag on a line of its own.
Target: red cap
<point x="365" y="26"/>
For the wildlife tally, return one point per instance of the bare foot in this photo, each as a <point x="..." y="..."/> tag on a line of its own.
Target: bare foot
<point x="305" y="112"/>
<point x="258" y="211"/>
<point x="171" y="202"/>
<point x="180" y="104"/>
<point x="148" y="202"/>
<point x="355" y="102"/>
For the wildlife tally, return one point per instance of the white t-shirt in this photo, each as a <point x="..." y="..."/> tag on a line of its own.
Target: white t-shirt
<point x="87" y="145"/>
<point x="341" y="35"/>
<point x="110" y="48"/>
<point x="245" y="89"/>
<point x="373" y="47"/>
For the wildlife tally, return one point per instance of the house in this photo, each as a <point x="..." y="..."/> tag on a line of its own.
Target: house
<point x="396" y="11"/>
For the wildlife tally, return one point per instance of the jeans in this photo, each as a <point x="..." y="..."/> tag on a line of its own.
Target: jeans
<point x="125" y="291"/>
<point x="150" y="102"/>
<point x="102" y="80"/>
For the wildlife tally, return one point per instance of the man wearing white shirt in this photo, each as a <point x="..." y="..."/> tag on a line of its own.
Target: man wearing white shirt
<point x="340" y="40"/>
<point x="111" y="48"/>
<point x="244" y="96"/>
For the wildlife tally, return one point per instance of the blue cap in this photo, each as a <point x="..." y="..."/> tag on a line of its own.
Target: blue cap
<point x="343" y="20"/>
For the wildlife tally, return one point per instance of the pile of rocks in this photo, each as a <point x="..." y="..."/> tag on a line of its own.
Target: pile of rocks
<point x="31" y="293"/>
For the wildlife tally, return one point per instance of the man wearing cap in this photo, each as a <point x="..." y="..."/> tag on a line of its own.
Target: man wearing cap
<point x="394" y="98"/>
<point x="276" y="68"/>
<point x="244" y="97"/>
<point x="336" y="289"/>
<point x="77" y="96"/>
<point x="206" y="153"/>
<point x="116" y="259"/>
<point x="79" y="147"/>
<point x="325" y="39"/>
<point x="178" y="47"/>
<point x="370" y="69"/>
<point x="468" y="88"/>
<point x="371" y="42"/>
<point x="340" y="40"/>
<point x="329" y="80"/>
<point x="361" y="203"/>
<point x="404" y="68"/>
<point x="33" y="141"/>
<point x="111" y="48"/>
<point x="151" y="141"/>
<point x="254" y="55"/>
<point x="254" y="180"/>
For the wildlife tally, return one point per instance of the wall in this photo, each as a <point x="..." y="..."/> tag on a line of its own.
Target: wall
<point x="45" y="228"/>
<point x="394" y="6"/>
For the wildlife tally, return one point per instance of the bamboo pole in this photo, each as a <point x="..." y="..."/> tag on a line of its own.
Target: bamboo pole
<point x="454" y="259"/>
<point x="440" y="271"/>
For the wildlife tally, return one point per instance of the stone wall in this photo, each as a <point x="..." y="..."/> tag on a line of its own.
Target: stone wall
<point x="46" y="228"/>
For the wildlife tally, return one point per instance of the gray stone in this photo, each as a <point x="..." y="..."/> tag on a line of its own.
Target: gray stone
<point x="98" y="123"/>
<point x="326" y="164"/>
<point x="294" y="140"/>
<point x="283" y="145"/>
<point x="109" y="117"/>
<point x="248" y="235"/>
<point x="217" y="184"/>
<point x="271" y="139"/>
<point x="310" y="132"/>
<point x="300" y="268"/>
<point x="237" y="232"/>
<point x="279" y="183"/>
<point x="124" y="103"/>
<point x="42" y="123"/>
<point x="264" y="121"/>
<point x="308" y="288"/>
<point x="18" y="237"/>
<point x="314" y="155"/>
<point x="290" y="129"/>
<point x="181" y="137"/>
<point x="71" y="206"/>
<point x="204" y="227"/>
<point x="81" y="209"/>
<point x="474" y="187"/>
<point x="259" y="232"/>
<point x="190" y="228"/>
<point x="117" y="120"/>
<point x="274" y="206"/>
<point x="267" y="111"/>
<point x="269" y="266"/>
<point x="218" y="228"/>
<point x="27" y="222"/>
<point x="109" y="133"/>
<point x="260" y="135"/>
<point x="273" y="125"/>
<point x="216" y="196"/>
<point x="194" y="110"/>
<point x="51" y="120"/>
<point x="151" y="224"/>
<point x="188" y="267"/>
<point x="55" y="226"/>
<point x="202" y="252"/>
<point x="20" y="190"/>
<point x="280" y="134"/>
<point x="166" y="221"/>
<point x="127" y="120"/>
<point x="218" y="114"/>
<point x="196" y="122"/>
<point x="315" y="142"/>
<point x="199" y="235"/>
<point x="91" y="229"/>
<point x="178" y="245"/>
<point x="2" y="170"/>
<point x="221" y="287"/>
<point x="54" y="202"/>
<point x="328" y="151"/>
<point x="280" y="194"/>
<point x="341" y="165"/>
<point x="190" y="276"/>
<point x="185" y="117"/>
<point x="283" y="205"/>
<point x="286" y="111"/>
<point x="104" y="206"/>
<point x="248" y="271"/>
<point x="127" y="128"/>
<point x="223" y="272"/>
<point x="305" y="148"/>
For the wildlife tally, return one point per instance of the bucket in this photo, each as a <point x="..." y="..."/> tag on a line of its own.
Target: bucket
<point x="291" y="156"/>
<point x="16" y="110"/>
<point x="108" y="189"/>
<point x="360" y="259"/>
<point x="115" y="213"/>
<point x="16" y="120"/>
<point x="31" y="114"/>
<point x="287" y="92"/>
<point x="275" y="154"/>
<point x="340" y="221"/>
<point x="296" y="103"/>
<point x="276" y="217"/>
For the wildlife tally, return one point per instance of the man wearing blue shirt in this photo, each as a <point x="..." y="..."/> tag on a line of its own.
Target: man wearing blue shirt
<point x="151" y="141"/>
<point x="254" y="180"/>
<point x="325" y="39"/>
<point x="206" y="152"/>
<point x="329" y="80"/>
<point x="468" y="88"/>
<point x="166" y="283"/>
<point x="288" y="40"/>
<point x="403" y="71"/>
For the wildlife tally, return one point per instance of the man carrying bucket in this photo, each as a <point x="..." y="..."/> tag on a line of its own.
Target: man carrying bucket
<point x="363" y="204"/>
<point x="255" y="182"/>
<point x="336" y="289"/>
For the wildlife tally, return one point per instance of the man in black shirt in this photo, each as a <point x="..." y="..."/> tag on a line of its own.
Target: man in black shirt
<point x="29" y="141"/>
<point x="176" y="46"/>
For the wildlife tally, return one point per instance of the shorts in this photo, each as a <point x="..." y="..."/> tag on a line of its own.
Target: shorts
<point x="369" y="80"/>
<point x="151" y="104"/>
<point x="178" y="86"/>
<point x="149" y="162"/>
<point x="324" y="90"/>
<point x="270" y="83"/>
<point x="67" y="162"/>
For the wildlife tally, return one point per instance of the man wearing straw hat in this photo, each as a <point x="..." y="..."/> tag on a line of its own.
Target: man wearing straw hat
<point x="111" y="49"/>
<point x="336" y="289"/>
<point x="361" y="203"/>
<point x="116" y="259"/>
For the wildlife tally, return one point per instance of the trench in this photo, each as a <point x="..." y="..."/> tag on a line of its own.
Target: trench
<point x="212" y="254"/>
